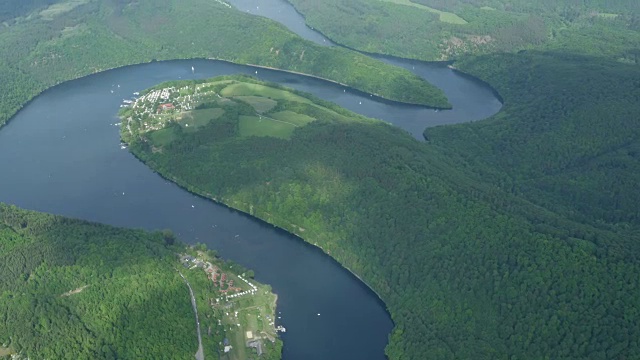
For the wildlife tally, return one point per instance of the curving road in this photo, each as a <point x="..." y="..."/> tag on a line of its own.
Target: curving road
<point x="200" y="352"/>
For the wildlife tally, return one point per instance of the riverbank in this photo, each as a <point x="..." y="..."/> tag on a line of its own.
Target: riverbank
<point x="237" y="314"/>
<point x="375" y="95"/>
<point x="127" y="45"/>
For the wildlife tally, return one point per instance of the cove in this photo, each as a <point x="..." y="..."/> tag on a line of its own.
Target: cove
<point x="61" y="154"/>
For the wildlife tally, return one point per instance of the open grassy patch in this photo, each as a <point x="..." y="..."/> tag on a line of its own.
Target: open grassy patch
<point x="292" y="117"/>
<point x="447" y="17"/>
<point x="608" y="15"/>
<point x="246" y="89"/>
<point x="5" y="352"/>
<point x="263" y="126"/>
<point x="162" y="137"/>
<point x="260" y="104"/>
<point x="60" y="8"/>
<point x="198" y="118"/>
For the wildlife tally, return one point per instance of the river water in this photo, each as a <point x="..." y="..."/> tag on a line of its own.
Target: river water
<point x="61" y="154"/>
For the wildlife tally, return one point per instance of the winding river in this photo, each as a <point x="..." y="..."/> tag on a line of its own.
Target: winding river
<point x="61" y="154"/>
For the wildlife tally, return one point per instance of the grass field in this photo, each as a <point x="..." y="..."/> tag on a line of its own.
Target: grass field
<point x="261" y="104"/>
<point x="271" y="111"/>
<point x="253" y="315"/>
<point x="246" y="89"/>
<point x="198" y="118"/>
<point x="256" y="126"/>
<point x="292" y="117"/>
<point x="162" y="137"/>
<point x="447" y="17"/>
<point x="5" y="351"/>
<point x="57" y="9"/>
<point x="608" y="15"/>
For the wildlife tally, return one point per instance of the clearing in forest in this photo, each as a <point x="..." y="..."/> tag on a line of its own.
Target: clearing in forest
<point x="447" y="17"/>
<point x="235" y="106"/>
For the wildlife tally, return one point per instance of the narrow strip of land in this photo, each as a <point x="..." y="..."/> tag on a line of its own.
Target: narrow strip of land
<point x="200" y="352"/>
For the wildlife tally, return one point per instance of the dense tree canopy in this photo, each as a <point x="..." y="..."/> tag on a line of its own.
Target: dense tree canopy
<point x="475" y="250"/>
<point x="443" y="29"/>
<point x="71" y="289"/>
<point x="128" y="300"/>
<point x="50" y="47"/>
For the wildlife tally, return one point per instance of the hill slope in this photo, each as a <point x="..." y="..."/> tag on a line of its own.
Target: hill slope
<point x="70" y="289"/>
<point x="467" y="268"/>
<point x="85" y="37"/>
<point x="436" y="30"/>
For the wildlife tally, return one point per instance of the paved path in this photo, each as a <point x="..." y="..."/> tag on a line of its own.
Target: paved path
<point x="200" y="352"/>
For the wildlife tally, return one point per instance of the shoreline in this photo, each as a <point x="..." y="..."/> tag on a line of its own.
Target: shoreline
<point x="47" y="88"/>
<point x="178" y="183"/>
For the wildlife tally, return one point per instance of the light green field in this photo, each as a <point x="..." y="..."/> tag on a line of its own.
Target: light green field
<point x="608" y="15"/>
<point x="196" y="119"/>
<point x="5" y="351"/>
<point x="73" y="30"/>
<point x="162" y="137"/>
<point x="447" y="17"/>
<point x="255" y="126"/>
<point x="260" y="104"/>
<point x="489" y="8"/>
<point x="292" y="117"/>
<point x="246" y="89"/>
<point x="251" y="311"/>
<point x="58" y="9"/>
<point x="211" y="85"/>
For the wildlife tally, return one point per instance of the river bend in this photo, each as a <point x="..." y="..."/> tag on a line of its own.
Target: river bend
<point x="61" y="154"/>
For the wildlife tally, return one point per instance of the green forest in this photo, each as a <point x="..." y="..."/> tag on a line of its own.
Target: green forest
<point x="71" y="289"/>
<point x="445" y="30"/>
<point x="76" y="38"/>
<point x="515" y="237"/>
<point x="492" y="241"/>
<point x="130" y="301"/>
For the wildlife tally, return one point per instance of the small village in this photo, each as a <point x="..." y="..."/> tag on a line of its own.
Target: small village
<point x="153" y="110"/>
<point x="247" y="310"/>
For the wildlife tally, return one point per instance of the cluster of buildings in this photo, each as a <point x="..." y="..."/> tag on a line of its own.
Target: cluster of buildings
<point x="253" y="290"/>
<point x="160" y="101"/>
<point x="153" y="96"/>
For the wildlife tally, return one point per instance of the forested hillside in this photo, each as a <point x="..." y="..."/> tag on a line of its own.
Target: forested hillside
<point x="71" y="289"/>
<point x="444" y="30"/>
<point x="570" y="142"/>
<point x="10" y="10"/>
<point x="77" y="38"/>
<point x="129" y="301"/>
<point x="468" y="268"/>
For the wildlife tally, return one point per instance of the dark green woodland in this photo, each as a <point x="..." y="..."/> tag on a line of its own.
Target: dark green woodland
<point x="514" y="237"/>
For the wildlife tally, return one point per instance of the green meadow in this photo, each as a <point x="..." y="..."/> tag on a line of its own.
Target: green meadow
<point x="237" y="106"/>
<point x="444" y="16"/>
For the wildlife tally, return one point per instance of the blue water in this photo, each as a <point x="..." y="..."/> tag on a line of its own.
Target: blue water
<point x="61" y="154"/>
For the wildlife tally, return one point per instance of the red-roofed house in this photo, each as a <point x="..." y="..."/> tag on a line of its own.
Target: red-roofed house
<point x="167" y="106"/>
